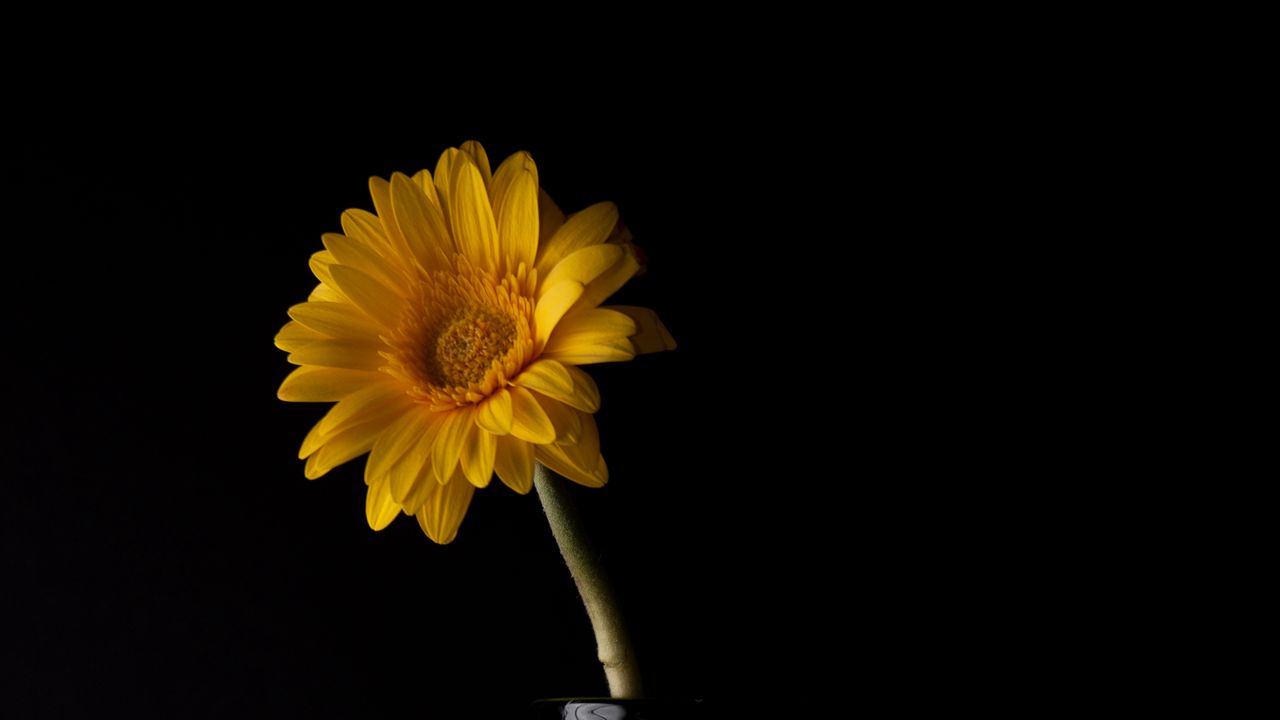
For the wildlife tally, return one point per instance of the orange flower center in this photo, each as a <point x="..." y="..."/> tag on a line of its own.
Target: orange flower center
<point x="463" y="335"/>
<point x="467" y="344"/>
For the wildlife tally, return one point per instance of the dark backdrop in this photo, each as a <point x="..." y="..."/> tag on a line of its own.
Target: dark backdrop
<point x="162" y="552"/>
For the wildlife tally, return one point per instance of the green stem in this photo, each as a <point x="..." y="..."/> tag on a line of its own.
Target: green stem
<point x="612" y="642"/>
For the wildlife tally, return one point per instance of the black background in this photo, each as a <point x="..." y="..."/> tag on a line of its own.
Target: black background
<point x="162" y="552"/>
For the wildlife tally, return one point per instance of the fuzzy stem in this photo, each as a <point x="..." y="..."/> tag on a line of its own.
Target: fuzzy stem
<point x="612" y="642"/>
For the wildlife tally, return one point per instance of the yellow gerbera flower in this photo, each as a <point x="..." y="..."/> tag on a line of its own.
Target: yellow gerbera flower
<point x="448" y="328"/>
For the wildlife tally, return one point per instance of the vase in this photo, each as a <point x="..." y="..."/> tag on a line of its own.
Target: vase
<point x="620" y="709"/>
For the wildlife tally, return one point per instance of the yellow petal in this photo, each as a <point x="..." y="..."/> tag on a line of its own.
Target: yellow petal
<point x="529" y="420"/>
<point x="563" y="418"/>
<point x="324" y="293"/>
<point x="352" y="354"/>
<point x="391" y="446"/>
<point x="471" y="217"/>
<point x="517" y="164"/>
<point x="514" y="193"/>
<point x="379" y="507"/>
<point x="587" y="450"/>
<point x="586" y="395"/>
<point x="319" y="264"/>
<point x="321" y="384"/>
<point x="348" y="433"/>
<point x="353" y="413"/>
<point x="344" y="445"/>
<point x="553" y="305"/>
<point x="414" y="466"/>
<point x="443" y="511"/>
<point x="336" y="320"/>
<point x="547" y="377"/>
<point x="444" y="184"/>
<point x="477" y="457"/>
<point x="477" y="154"/>
<point x="312" y="472"/>
<point x="361" y="256"/>
<point x="513" y="462"/>
<point x="651" y="335"/>
<point x="368" y="294"/>
<point x="553" y="456"/>
<point x="588" y="227"/>
<point x="422" y="179"/>
<point x="595" y="335"/>
<point x="494" y="414"/>
<point x="593" y="325"/>
<point x="373" y="401"/>
<point x="313" y="440"/>
<point x="421" y="224"/>
<point x="365" y="227"/>
<point x="608" y="282"/>
<point x="581" y="462"/>
<point x="587" y="353"/>
<point x="380" y="191"/>
<point x="448" y="444"/>
<point x="295" y="336"/>
<point x="583" y="266"/>
<point x="550" y="218"/>
<point x="421" y="485"/>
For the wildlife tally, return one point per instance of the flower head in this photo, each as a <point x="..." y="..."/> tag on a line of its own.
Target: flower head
<point x="448" y="327"/>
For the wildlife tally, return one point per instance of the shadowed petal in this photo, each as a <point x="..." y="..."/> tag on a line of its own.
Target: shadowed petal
<point x="583" y="266"/>
<point x="476" y="152"/>
<point x="448" y="445"/>
<point x="379" y="507"/>
<point x="495" y="414"/>
<point x="530" y="420"/>
<point x="368" y="294"/>
<point x="553" y="305"/>
<point x="320" y="384"/>
<point x="514" y="463"/>
<point x="336" y="320"/>
<point x="477" y="457"/>
<point x="421" y="224"/>
<point x="515" y="206"/>
<point x="588" y="227"/>
<point x="444" y="509"/>
<point x="651" y="335"/>
<point x="471" y="217"/>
